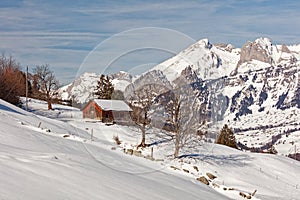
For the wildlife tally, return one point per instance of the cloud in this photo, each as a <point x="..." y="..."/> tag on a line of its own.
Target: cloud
<point x="62" y="33"/>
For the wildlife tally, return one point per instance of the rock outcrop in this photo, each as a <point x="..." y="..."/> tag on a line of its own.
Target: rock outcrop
<point x="259" y="50"/>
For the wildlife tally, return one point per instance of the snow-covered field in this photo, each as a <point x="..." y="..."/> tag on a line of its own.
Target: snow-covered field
<point x="57" y="155"/>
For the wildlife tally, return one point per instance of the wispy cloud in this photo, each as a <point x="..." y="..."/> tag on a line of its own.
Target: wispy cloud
<point x="62" y="32"/>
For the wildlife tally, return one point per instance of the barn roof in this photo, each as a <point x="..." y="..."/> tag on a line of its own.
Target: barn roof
<point x="114" y="105"/>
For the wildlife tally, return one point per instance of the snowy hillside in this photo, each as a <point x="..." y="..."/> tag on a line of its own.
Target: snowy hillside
<point x="43" y="158"/>
<point x="54" y="161"/>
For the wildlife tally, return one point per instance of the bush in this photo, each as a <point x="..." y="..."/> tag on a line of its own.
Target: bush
<point x="117" y="140"/>
<point x="12" y="80"/>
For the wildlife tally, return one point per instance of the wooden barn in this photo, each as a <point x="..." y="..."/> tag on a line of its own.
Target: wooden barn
<point x="116" y="111"/>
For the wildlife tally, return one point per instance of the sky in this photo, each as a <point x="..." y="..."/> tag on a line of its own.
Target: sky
<point x="75" y="36"/>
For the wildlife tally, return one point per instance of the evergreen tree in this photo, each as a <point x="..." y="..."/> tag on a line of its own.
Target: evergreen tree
<point x="227" y="137"/>
<point x="104" y="88"/>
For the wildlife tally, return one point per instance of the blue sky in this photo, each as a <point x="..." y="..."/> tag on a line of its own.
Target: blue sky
<point x="108" y="36"/>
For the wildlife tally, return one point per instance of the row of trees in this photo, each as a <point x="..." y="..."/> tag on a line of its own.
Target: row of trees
<point x="42" y="84"/>
<point x="12" y="80"/>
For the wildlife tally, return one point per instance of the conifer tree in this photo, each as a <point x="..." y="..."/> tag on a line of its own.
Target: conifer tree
<point x="227" y="137"/>
<point x="104" y="88"/>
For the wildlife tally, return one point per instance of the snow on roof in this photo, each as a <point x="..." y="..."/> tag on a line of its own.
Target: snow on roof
<point x="114" y="105"/>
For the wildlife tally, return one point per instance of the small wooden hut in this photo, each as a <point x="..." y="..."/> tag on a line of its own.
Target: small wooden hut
<point x="116" y="111"/>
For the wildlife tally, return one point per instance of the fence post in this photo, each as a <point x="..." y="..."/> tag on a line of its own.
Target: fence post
<point x="295" y="152"/>
<point x="151" y="152"/>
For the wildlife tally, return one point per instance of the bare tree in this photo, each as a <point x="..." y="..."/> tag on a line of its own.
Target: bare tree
<point x="46" y="83"/>
<point x="141" y="102"/>
<point x="181" y="117"/>
<point x="180" y="123"/>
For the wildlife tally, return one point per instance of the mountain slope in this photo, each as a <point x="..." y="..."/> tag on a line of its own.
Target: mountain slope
<point x="207" y="60"/>
<point x="38" y="164"/>
<point x="81" y="90"/>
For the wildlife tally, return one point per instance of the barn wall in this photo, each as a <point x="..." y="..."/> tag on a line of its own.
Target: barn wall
<point x="122" y="117"/>
<point x="107" y="116"/>
<point x="99" y="111"/>
<point x="92" y="111"/>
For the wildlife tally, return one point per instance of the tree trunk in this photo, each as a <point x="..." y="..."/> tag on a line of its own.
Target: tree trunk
<point x="143" y="129"/>
<point x="143" y="142"/>
<point x="176" y="123"/>
<point x="176" y="153"/>
<point x="49" y="105"/>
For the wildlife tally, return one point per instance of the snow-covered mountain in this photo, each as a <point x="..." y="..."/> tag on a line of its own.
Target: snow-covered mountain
<point x="255" y="89"/>
<point x="81" y="90"/>
<point x="208" y="61"/>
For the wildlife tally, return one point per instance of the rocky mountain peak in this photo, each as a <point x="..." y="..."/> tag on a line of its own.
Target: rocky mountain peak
<point x="261" y="49"/>
<point x="188" y="76"/>
<point x="265" y="43"/>
<point x="285" y="49"/>
<point x="205" y="43"/>
<point x="121" y="76"/>
<point x="225" y="47"/>
<point x="154" y="78"/>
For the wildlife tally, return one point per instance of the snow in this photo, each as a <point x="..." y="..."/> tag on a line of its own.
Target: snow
<point x="281" y="121"/>
<point x="207" y="60"/>
<point x="57" y="155"/>
<point x="83" y="88"/>
<point x="114" y="105"/>
<point x="252" y="66"/>
<point x="64" y="95"/>
<point x="120" y="84"/>
<point x="203" y="58"/>
<point x="38" y="164"/>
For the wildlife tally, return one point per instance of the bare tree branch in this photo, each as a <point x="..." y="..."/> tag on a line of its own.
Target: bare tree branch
<point x="46" y="83"/>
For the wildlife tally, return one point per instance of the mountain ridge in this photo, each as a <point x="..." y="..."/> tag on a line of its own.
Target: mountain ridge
<point x="208" y="61"/>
